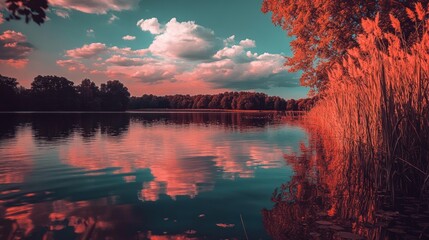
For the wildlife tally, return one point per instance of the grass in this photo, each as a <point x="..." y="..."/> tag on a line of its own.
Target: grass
<point x="376" y="108"/>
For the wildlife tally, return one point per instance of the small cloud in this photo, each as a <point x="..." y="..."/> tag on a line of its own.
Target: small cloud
<point x="248" y="43"/>
<point x="225" y="225"/>
<point x="71" y="65"/>
<point x="1" y="18"/>
<point x="150" y="25"/>
<point x="113" y="18"/>
<point x="87" y="51"/>
<point x="90" y="32"/>
<point x="125" y="61"/>
<point x="129" y="38"/>
<point x="230" y="40"/>
<point x="95" y="6"/>
<point x="62" y="13"/>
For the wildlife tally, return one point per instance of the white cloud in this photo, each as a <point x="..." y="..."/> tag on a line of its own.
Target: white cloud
<point x="62" y="13"/>
<point x="188" y="52"/>
<point x="95" y="6"/>
<point x="90" y="32"/>
<point x="248" y="43"/>
<point x="129" y="38"/>
<point x="185" y="40"/>
<point x="113" y="18"/>
<point x="150" y="25"/>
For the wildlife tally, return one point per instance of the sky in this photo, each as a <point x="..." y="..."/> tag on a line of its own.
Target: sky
<point x="157" y="47"/>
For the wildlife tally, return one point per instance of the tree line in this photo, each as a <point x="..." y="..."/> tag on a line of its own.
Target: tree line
<point x="226" y="100"/>
<point x="53" y="93"/>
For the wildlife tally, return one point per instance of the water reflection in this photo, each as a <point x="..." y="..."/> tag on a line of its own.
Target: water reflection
<point x="141" y="176"/>
<point x="331" y="196"/>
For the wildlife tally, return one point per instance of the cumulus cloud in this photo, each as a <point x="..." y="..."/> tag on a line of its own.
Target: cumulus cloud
<point x="150" y="25"/>
<point x="129" y="38"/>
<point x="87" y="51"/>
<point x="186" y="40"/>
<point x="185" y="52"/>
<point x="112" y="18"/>
<point x="95" y="6"/>
<point x="248" y="43"/>
<point x="94" y="50"/>
<point x="14" y="48"/>
<point x="260" y="72"/>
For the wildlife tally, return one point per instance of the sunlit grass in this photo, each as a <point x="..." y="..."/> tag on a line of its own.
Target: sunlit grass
<point x="377" y="107"/>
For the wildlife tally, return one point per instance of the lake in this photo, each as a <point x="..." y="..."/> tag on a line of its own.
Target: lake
<point x="143" y="175"/>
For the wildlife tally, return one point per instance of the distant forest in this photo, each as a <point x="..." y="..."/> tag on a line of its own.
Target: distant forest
<point x="53" y="93"/>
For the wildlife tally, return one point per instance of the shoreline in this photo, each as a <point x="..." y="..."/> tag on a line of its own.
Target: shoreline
<point x="161" y="110"/>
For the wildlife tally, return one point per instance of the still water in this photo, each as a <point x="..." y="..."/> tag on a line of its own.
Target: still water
<point x="142" y="175"/>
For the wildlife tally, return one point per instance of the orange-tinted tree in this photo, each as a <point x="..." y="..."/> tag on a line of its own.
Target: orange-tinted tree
<point x="324" y="30"/>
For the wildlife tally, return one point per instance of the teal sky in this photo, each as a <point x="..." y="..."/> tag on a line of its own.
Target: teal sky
<point x="163" y="66"/>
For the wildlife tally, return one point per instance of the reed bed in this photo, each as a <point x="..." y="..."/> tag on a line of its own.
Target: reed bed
<point x="376" y="107"/>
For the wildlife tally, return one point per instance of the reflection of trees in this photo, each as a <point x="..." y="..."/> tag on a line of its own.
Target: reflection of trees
<point x="333" y="196"/>
<point x="300" y="202"/>
<point x="237" y="120"/>
<point x="327" y="194"/>
<point x="7" y="126"/>
<point x="55" y="126"/>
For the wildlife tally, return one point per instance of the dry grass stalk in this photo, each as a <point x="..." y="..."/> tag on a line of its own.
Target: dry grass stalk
<point x="377" y="107"/>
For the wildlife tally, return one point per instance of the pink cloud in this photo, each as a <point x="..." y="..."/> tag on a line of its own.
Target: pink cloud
<point x="124" y="61"/>
<point x="128" y="51"/>
<point x="16" y="63"/>
<point x="12" y="36"/>
<point x="1" y="18"/>
<point x="95" y="6"/>
<point x="189" y="54"/>
<point x="72" y="65"/>
<point x="87" y="51"/>
<point x="14" y="49"/>
<point x="152" y="72"/>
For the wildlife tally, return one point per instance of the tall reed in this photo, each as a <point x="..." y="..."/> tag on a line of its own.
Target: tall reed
<point x="377" y="107"/>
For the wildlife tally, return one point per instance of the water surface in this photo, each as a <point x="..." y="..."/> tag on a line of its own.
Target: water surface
<point x="142" y="175"/>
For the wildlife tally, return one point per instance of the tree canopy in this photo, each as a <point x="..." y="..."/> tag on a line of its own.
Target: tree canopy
<point x="53" y="93"/>
<point x="31" y="10"/>
<point x="324" y="30"/>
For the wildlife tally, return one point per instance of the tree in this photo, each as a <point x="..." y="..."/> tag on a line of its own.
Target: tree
<point x="324" y="30"/>
<point x="8" y="93"/>
<point x="53" y="93"/>
<point x="31" y="10"/>
<point x="114" y="96"/>
<point x="89" y="95"/>
<point x="291" y="105"/>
